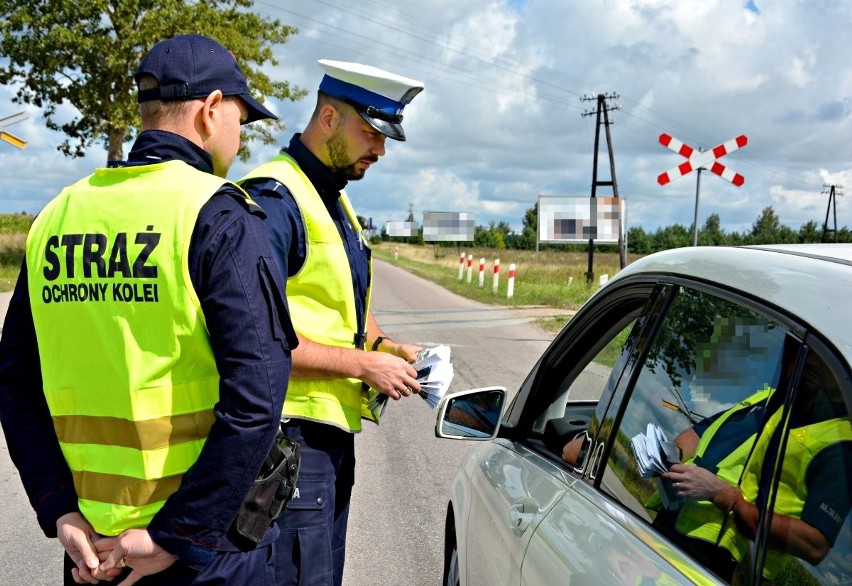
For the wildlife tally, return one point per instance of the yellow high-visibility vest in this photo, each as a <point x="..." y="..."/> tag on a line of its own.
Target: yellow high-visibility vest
<point x="128" y="370"/>
<point x="702" y="519"/>
<point x="322" y="301"/>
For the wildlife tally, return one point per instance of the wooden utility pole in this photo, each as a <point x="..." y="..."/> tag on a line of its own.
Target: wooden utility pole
<point x="603" y="109"/>
<point x="833" y="191"/>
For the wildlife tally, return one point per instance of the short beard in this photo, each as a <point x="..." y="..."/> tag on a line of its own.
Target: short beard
<point x="339" y="162"/>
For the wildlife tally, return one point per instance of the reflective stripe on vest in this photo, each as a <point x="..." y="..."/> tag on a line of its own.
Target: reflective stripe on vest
<point x="321" y="300"/>
<point x="128" y="371"/>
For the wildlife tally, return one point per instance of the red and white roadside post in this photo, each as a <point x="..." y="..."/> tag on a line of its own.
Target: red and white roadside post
<point x="481" y="272"/>
<point x="469" y="267"/>
<point x="510" y="291"/>
<point x="496" y="275"/>
<point x="461" y="266"/>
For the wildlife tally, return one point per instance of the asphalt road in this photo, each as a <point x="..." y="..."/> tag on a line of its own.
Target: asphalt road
<point x="403" y="473"/>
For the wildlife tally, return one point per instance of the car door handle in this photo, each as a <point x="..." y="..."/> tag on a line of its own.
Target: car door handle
<point x="520" y="515"/>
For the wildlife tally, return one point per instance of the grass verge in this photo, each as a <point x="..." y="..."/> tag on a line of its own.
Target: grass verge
<point x="550" y="278"/>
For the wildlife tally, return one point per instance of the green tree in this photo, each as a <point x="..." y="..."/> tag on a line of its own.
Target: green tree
<point x="84" y="53"/>
<point x="639" y="241"/>
<point x="494" y="236"/>
<point x="504" y="229"/>
<point x="767" y="229"/>
<point x="674" y="236"/>
<point x="712" y="234"/>
<point x="844" y="235"/>
<point x="529" y="233"/>
<point x="736" y="239"/>
<point x="809" y="232"/>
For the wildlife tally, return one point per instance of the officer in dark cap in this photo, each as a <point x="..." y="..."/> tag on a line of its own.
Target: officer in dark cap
<point x="146" y="350"/>
<point x="344" y="359"/>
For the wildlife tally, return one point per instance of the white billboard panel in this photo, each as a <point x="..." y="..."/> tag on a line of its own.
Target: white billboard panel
<point x="580" y="219"/>
<point x="448" y="226"/>
<point x="402" y="229"/>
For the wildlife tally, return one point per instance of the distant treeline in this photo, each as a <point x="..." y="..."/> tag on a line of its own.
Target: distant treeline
<point x="767" y="229"/>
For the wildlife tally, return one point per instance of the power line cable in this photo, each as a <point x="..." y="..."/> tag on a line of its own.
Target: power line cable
<point x="550" y="84"/>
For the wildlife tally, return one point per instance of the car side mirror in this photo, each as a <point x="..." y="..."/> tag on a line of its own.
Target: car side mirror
<point x="472" y="415"/>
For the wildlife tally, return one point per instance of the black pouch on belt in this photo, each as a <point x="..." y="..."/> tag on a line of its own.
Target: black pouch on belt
<point x="270" y="493"/>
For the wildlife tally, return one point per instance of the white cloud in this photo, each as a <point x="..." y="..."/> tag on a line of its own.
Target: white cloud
<point x="797" y="72"/>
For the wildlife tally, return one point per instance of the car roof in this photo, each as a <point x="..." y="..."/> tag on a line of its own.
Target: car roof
<point x="810" y="281"/>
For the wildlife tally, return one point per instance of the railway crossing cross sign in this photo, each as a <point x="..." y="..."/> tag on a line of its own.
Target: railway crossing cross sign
<point x="698" y="159"/>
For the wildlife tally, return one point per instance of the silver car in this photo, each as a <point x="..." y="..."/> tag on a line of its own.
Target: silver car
<point x="690" y="425"/>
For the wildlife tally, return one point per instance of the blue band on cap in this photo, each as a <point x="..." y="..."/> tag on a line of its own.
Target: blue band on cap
<point x="343" y="90"/>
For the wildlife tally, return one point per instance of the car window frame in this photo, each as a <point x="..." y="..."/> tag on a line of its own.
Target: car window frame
<point x="537" y="391"/>
<point x="621" y="394"/>
<point x="812" y="341"/>
<point x="602" y="443"/>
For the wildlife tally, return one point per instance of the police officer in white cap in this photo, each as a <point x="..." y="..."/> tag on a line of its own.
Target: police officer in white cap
<point x="344" y="358"/>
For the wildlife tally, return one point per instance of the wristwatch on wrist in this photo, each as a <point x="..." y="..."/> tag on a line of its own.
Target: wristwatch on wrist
<point x="378" y="342"/>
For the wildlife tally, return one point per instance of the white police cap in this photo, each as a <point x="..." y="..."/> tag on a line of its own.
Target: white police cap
<point x="377" y="95"/>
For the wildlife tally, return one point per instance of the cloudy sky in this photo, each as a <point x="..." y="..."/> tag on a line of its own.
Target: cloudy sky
<point x="501" y="120"/>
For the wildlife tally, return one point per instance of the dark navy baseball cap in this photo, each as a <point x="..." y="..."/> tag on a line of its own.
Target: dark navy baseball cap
<point x="194" y="66"/>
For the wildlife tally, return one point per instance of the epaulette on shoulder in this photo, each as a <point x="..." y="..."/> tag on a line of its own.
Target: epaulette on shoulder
<point x="247" y="202"/>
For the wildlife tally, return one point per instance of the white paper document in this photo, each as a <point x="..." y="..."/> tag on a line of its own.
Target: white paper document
<point x="654" y="453"/>
<point x="434" y="373"/>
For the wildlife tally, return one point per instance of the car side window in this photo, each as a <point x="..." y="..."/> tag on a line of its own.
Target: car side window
<point x="583" y="370"/>
<point x="698" y="398"/>
<point x="569" y="418"/>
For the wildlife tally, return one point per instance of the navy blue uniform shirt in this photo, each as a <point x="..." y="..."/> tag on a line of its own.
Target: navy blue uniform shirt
<point x="240" y="289"/>
<point x="287" y="230"/>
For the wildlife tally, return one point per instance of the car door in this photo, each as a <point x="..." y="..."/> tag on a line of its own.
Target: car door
<point x="511" y="490"/>
<point x="584" y="539"/>
<point x="515" y="484"/>
<point x="704" y="358"/>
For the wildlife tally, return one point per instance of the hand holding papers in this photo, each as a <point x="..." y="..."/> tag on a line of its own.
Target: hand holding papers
<point x="434" y="373"/>
<point x="654" y="453"/>
<point x="654" y="456"/>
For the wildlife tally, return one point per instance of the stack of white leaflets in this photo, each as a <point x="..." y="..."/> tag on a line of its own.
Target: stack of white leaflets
<point x="654" y="453"/>
<point x="434" y="373"/>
